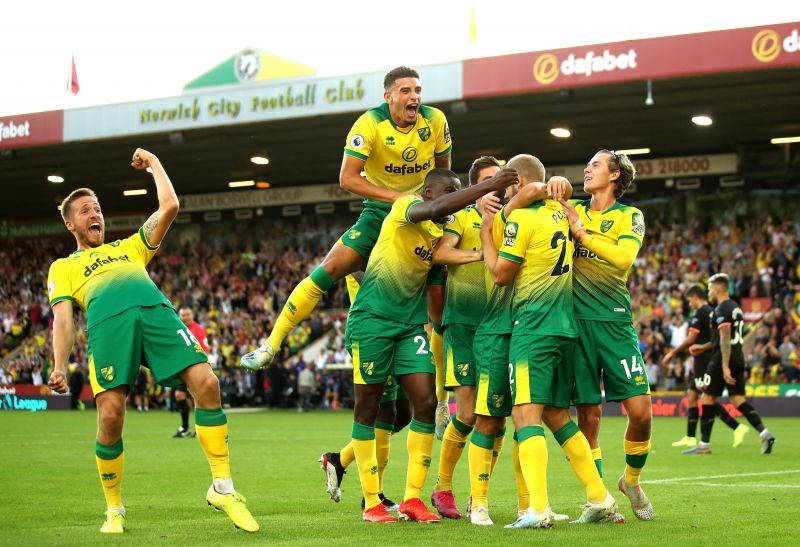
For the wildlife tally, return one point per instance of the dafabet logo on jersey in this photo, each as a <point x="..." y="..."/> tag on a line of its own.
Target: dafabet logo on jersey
<point x="766" y="45"/>
<point x="547" y="68"/>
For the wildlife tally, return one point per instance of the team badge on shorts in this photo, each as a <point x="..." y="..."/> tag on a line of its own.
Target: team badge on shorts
<point x="424" y="133"/>
<point x="606" y="225"/>
<point x="368" y="368"/>
<point x="497" y="400"/>
<point x="108" y="373"/>
<point x="463" y="369"/>
<point x="353" y="234"/>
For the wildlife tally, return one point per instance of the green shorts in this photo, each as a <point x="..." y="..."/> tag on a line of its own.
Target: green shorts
<point x="392" y="391"/>
<point x="153" y="336"/>
<point x="613" y="348"/>
<point x="383" y="349"/>
<point x="361" y="237"/>
<point x="541" y="369"/>
<point x="493" y="397"/>
<point x="458" y="357"/>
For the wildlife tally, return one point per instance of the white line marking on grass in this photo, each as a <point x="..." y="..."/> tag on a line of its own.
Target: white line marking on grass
<point x="731" y="475"/>
<point x="737" y="485"/>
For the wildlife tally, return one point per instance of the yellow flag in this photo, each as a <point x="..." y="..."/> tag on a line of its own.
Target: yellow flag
<point x="473" y="26"/>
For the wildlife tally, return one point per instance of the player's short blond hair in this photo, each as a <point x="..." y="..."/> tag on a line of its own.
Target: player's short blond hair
<point x="528" y="167"/>
<point x="66" y="205"/>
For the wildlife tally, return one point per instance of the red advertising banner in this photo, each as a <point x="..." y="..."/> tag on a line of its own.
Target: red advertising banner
<point x="755" y="308"/>
<point x="751" y="48"/>
<point x="31" y="129"/>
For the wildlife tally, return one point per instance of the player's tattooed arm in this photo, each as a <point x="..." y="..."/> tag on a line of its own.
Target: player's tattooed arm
<point x="725" y="350"/>
<point x="442" y="161"/>
<point x="150" y="226"/>
<point x="168" y="205"/>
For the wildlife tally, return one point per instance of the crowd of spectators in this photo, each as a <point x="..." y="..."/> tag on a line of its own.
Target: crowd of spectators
<point x="762" y="258"/>
<point x="237" y="276"/>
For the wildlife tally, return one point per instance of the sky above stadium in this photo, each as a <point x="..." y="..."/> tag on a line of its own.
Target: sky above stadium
<point x="147" y="49"/>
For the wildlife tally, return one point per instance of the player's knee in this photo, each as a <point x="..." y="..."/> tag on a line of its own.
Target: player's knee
<point x="109" y="422"/>
<point x="466" y="416"/>
<point x="425" y="407"/>
<point x="206" y="390"/>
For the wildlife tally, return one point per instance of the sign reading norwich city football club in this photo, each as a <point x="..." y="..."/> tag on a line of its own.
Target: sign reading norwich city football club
<point x="252" y="103"/>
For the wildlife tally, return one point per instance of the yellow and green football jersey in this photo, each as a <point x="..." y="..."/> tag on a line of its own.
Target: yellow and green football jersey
<point x="537" y="237"/>
<point x="465" y="296"/>
<point x="106" y="280"/>
<point x="601" y="290"/>
<point x="497" y="312"/>
<point x="394" y="281"/>
<point x="398" y="158"/>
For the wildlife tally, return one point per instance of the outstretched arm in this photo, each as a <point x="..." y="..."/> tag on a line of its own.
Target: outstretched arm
<point x="450" y="203"/>
<point x="155" y="227"/>
<point x="690" y="338"/>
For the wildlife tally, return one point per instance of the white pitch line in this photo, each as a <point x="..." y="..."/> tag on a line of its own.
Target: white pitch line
<point x="732" y="475"/>
<point x="737" y="485"/>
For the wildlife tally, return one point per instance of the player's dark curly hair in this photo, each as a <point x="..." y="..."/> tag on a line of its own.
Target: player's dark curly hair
<point x="478" y="164"/>
<point x="75" y="194"/>
<point x="396" y="73"/>
<point x="696" y="291"/>
<point x="623" y="164"/>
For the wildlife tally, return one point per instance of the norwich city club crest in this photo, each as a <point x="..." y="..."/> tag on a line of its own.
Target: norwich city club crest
<point x="510" y="233"/>
<point x="424" y="133"/>
<point x="497" y="400"/>
<point x="606" y="225"/>
<point x="368" y="368"/>
<point x="108" y="373"/>
<point x="463" y="369"/>
<point x="637" y="224"/>
<point x="353" y="234"/>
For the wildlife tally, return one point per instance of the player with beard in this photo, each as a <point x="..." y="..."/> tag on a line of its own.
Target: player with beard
<point x="129" y="322"/>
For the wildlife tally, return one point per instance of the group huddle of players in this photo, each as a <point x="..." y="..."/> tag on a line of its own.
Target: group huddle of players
<point x="536" y="311"/>
<point x="535" y="314"/>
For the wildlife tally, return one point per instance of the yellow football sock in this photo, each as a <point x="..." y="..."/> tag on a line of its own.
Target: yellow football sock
<point x="635" y="456"/>
<point x="300" y="304"/>
<point x="579" y="455"/>
<point x="453" y="442"/>
<point x="383" y="444"/>
<point x="347" y="455"/>
<point x="480" y="465"/>
<point x="597" y="456"/>
<point x="367" y="463"/>
<point x="110" y="465"/>
<point x="523" y="495"/>
<point x="420" y="446"/>
<point x="498" y="446"/>
<point x="352" y="287"/>
<point x="211" y="426"/>
<point x="437" y="350"/>
<point x="533" y="460"/>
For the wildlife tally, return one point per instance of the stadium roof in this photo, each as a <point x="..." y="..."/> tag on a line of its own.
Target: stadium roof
<point x="749" y="85"/>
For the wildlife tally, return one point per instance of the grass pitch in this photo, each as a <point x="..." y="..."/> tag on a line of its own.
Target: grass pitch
<point x="51" y="493"/>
